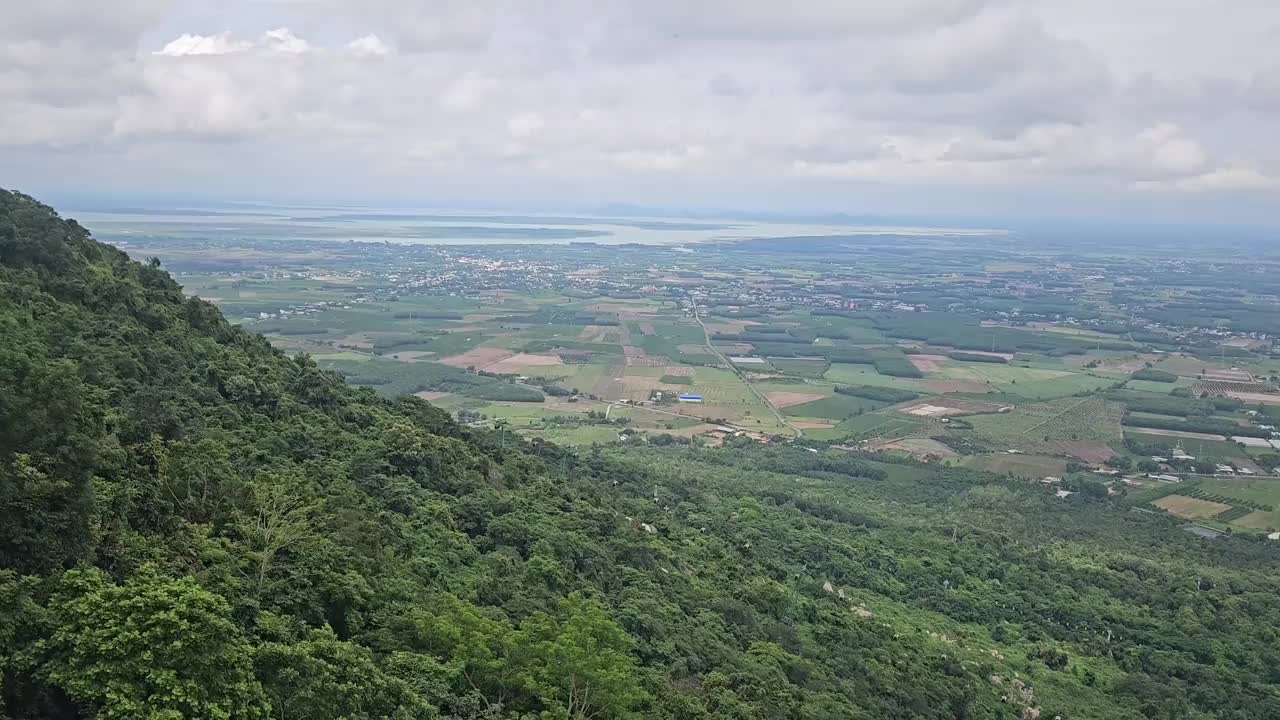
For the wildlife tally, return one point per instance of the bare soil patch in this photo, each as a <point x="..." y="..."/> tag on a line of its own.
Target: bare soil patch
<point x="1190" y="507"/>
<point x="1028" y="466"/>
<point x="1259" y="520"/>
<point x="785" y="399"/>
<point x="1241" y="376"/>
<point x="1175" y="433"/>
<point x="1089" y="452"/>
<point x="727" y="326"/>
<point x="1267" y="398"/>
<point x="637" y="357"/>
<point x="431" y="394"/>
<point x="926" y="363"/>
<point x="919" y="447"/>
<point x="478" y="357"/>
<point x="591" y="333"/>
<point x="941" y="408"/>
<point x="518" y="362"/>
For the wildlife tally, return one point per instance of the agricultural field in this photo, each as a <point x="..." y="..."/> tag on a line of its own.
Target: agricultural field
<point x="514" y="332"/>
<point x="832" y="407"/>
<point x="1046" y="426"/>
<point x="1032" y="467"/>
<point x="1191" y="508"/>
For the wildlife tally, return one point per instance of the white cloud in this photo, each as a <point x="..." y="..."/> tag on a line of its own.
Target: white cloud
<point x="369" y="45"/>
<point x="283" y="40"/>
<point x="616" y="93"/>
<point x="279" y="40"/>
<point x="466" y="92"/>
<point x="663" y="160"/>
<point x="524" y="125"/>
<point x="219" y="44"/>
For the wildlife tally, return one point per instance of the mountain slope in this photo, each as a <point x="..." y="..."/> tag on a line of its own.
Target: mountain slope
<point x="193" y="524"/>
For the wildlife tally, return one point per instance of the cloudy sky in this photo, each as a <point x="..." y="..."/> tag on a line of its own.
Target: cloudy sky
<point x="1143" y="108"/>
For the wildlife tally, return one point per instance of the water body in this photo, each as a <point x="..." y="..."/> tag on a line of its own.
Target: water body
<point x="442" y="227"/>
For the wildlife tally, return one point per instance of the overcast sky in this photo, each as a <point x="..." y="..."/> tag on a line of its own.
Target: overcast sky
<point x="1160" y="109"/>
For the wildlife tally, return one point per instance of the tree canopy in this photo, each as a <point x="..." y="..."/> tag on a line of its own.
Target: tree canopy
<point x="196" y="525"/>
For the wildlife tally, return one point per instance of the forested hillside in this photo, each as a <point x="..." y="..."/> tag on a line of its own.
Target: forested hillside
<point x="195" y="525"/>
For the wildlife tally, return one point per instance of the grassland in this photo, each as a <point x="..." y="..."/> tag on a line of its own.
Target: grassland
<point x="833" y="407"/>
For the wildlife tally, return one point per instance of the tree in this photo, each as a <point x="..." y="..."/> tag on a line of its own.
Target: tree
<point x="280" y="520"/>
<point x="323" y="678"/>
<point x="581" y="662"/>
<point x="154" y="648"/>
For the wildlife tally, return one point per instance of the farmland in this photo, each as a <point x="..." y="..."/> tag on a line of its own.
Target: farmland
<point x="1027" y="370"/>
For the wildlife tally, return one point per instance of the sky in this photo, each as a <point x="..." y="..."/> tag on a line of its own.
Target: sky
<point x="1162" y="110"/>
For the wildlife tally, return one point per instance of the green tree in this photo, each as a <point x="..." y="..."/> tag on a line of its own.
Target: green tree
<point x="580" y="663"/>
<point x="154" y="648"/>
<point x="323" y="678"/>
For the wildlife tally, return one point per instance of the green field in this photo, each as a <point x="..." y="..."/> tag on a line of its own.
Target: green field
<point x="880" y="425"/>
<point x="857" y="374"/>
<point x="1152" y="386"/>
<point x="800" y="366"/>
<point x="1194" y="446"/>
<point x="835" y="407"/>
<point x="1032" y="425"/>
<point x="583" y="435"/>
<point x="1028" y="466"/>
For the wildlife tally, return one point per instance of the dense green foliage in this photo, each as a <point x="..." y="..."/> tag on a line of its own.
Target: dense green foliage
<point x="966" y="333"/>
<point x="1212" y="425"/>
<point x="885" y="394"/>
<point x="1161" y="404"/>
<point x="1155" y="375"/>
<point x="194" y="525"/>
<point x="977" y="357"/>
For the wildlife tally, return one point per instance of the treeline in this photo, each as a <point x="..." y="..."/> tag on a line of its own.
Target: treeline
<point x="1154" y="375"/>
<point x="883" y="394"/>
<point x="760" y="337"/>
<point x="967" y="333"/>
<point x="1178" y="405"/>
<point x="554" y="316"/>
<point x="1211" y="425"/>
<point x="978" y="357"/>
<point x="887" y="361"/>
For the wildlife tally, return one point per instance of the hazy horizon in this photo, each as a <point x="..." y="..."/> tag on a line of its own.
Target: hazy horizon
<point x="1141" y="112"/>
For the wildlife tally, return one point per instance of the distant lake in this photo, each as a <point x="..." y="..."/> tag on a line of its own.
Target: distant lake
<point x="439" y="227"/>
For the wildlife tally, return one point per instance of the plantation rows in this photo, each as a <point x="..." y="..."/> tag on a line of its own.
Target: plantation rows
<point x="1234" y="513"/>
<point x="1185" y="488"/>
<point x="1092" y="419"/>
<point x="1200" y="494"/>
